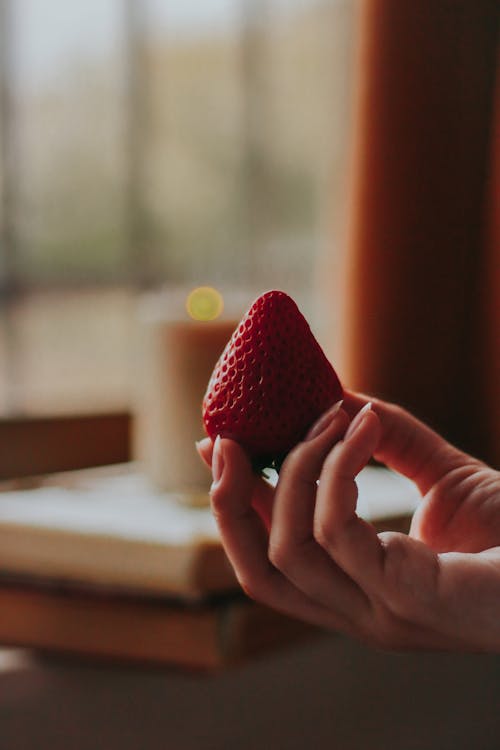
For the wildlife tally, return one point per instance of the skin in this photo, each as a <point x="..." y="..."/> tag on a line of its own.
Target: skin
<point x="301" y="548"/>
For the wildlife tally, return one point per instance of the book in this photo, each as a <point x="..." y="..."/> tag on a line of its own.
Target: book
<point x="115" y="531"/>
<point x="206" y="635"/>
<point x="100" y="564"/>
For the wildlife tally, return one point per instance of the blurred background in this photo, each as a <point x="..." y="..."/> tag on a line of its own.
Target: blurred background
<point x="156" y="143"/>
<point x="150" y="144"/>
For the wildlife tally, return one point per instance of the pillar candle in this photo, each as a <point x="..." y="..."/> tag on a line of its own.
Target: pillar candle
<point x="178" y="355"/>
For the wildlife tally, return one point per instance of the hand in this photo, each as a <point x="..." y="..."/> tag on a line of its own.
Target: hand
<point x="302" y="549"/>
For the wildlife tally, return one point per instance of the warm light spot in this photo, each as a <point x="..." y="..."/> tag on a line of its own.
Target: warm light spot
<point x="204" y="303"/>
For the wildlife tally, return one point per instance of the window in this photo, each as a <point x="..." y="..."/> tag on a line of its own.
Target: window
<point x="156" y="143"/>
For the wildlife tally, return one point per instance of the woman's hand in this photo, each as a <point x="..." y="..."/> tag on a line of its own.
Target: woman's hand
<point x="302" y="549"/>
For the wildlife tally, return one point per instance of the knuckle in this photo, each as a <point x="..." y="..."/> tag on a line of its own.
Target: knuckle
<point x="324" y="534"/>
<point x="294" y="460"/>
<point x="397" y="411"/>
<point x="257" y="586"/>
<point x="410" y="573"/>
<point x="216" y="509"/>
<point x="217" y="501"/>
<point x="331" y="458"/>
<point x="250" y="588"/>
<point x="218" y="512"/>
<point x="279" y="554"/>
<point x="333" y="461"/>
<point x="396" y="550"/>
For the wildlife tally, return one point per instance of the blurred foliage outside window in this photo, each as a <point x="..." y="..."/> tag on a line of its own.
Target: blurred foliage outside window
<point x="156" y="143"/>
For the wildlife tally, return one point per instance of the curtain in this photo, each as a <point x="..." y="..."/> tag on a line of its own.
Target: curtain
<point x="416" y="317"/>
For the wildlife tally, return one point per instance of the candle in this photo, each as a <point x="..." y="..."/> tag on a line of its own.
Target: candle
<point x="181" y="342"/>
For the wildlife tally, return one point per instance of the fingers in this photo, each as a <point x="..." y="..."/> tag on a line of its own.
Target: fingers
<point x="320" y="562"/>
<point x="349" y="540"/>
<point x="262" y="492"/>
<point x="231" y="495"/>
<point x="292" y="545"/>
<point x="204" y="448"/>
<point x="324" y="565"/>
<point x="246" y="541"/>
<point x="397" y="575"/>
<point x="407" y="445"/>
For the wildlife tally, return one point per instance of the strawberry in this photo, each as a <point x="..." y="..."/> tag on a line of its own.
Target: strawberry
<point x="271" y="383"/>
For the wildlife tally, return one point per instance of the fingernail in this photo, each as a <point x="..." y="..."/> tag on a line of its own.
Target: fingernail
<point x="356" y="422"/>
<point x="217" y="463"/>
<point x="323" y="422"/>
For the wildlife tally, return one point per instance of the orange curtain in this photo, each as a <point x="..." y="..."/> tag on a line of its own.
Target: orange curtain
<point x="489" y="350"/>
<point x="418" y="317"/>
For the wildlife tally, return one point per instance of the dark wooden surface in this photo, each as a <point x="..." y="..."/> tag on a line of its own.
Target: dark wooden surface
<point x="32" y="446"/>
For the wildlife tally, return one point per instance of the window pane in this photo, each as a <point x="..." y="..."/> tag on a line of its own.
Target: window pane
<point x="301" y="95"/>
<point x="73" y="350"/>
<point x="69" y="85"/>
<point x="159" y="142"/>
<point x="195" y="180"/>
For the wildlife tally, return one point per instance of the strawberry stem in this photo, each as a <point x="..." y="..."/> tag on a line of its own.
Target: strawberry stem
<point x="274" y="463"/>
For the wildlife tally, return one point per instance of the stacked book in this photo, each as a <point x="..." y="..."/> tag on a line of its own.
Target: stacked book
<point x="99" y="563"/>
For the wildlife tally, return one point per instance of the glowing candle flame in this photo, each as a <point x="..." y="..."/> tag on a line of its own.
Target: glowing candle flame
<point x="204" y="303"/>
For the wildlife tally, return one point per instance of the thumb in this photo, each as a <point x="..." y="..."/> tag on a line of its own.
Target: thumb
<point x="409" y="446"/>
<point x="205" y="448"/>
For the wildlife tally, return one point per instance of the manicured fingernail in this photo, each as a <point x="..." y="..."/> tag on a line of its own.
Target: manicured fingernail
<point x="358" y="419"/>
<point x="217" y="463"/>
<point x="323" y="422"/>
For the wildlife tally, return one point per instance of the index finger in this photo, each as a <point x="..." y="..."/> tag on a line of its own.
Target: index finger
<point x="246" y="542"/>
<point x="262" y="491"/>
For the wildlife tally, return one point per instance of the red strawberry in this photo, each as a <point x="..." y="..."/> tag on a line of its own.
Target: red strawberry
<point x="271" y="382"/>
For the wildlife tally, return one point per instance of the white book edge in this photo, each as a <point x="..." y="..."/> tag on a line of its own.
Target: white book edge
<point x="47" y="539"/>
